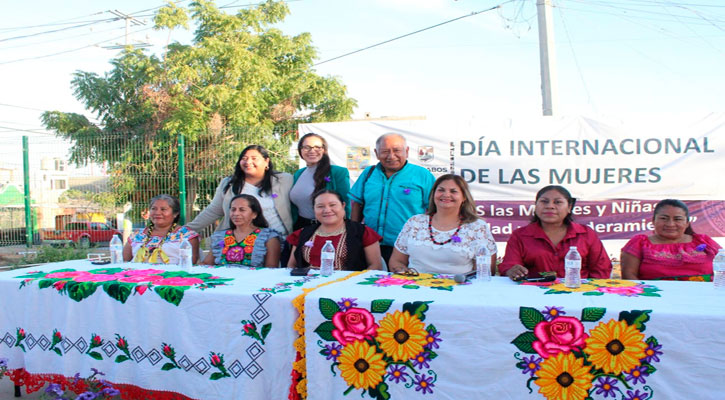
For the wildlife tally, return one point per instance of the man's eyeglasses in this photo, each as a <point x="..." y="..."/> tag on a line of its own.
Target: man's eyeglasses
<point x="309" y="148"/>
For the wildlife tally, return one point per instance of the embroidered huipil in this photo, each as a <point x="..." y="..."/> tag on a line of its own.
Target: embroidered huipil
<point x="169" y="245"/>
<point x="659" y="261"/>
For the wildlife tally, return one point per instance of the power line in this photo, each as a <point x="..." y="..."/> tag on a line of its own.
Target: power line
<point x="576" y="62"/>
<point x="412" y="33"/>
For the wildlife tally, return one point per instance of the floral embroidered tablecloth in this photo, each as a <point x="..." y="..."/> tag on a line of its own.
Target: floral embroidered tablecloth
<point x="211" y="333"/>
<point x="501" y="340"/>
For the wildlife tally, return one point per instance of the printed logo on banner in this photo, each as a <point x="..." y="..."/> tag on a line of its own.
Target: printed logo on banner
<point x="358" y="158"/>
<point x="425" y="153"/>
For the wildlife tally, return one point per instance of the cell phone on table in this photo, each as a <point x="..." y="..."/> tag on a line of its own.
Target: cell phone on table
<point x="300" y="271"/>
<point x="546" y="278"/>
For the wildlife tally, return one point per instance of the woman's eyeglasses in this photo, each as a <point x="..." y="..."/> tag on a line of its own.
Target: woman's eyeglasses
<point x="310" y="148"/>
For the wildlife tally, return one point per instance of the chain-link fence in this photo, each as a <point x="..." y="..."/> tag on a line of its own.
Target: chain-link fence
<point x="106" y="181"/>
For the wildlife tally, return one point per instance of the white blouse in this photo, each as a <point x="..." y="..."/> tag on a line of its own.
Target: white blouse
<point x="454" y="257"/>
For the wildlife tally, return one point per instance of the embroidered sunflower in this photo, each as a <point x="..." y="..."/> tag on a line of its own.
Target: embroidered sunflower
<point x="361" y="366"/>
<point x="564" y="377"/>
<point x="401" y="335"/>
<point x="615" y="346"/>
<point x="612" y="282"/>
<point x="436" y="282"/>
<point x="585" y="287"/>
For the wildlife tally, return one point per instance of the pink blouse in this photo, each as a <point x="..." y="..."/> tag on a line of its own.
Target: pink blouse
<point x="670" y="260"/>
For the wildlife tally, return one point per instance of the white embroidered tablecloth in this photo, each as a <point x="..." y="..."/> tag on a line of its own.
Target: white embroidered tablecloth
<point x="213" y="333"/>
<point x="392" y="337"/>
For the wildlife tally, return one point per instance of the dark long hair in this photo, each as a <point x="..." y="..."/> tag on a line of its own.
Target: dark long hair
<point x="678" y="204"/>
<point x="323" y="166"/>
<point x="467" y="213"/>
<point x="237" y="181"/>
<point x="569" y="199"/>
<point x="259" y="221"/>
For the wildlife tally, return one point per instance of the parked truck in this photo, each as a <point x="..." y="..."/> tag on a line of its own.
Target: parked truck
<point x="82" y="234"/>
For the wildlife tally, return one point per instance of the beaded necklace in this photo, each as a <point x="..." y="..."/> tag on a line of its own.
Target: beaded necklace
<point x="454" y="236"/>
<point x="152" y="254"/>
<point x="238" y="252"/>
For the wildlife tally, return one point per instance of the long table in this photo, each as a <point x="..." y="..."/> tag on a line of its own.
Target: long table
<point x="395" y="337"/>
<point x="212" y="333"/>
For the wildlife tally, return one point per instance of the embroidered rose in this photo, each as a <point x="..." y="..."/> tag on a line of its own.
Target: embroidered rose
<point x="562" y="334"/>
<point x="622" y="290"/>
<point x="59" y="285"/>
<point x="178" y="281"/>
<point x="94" y="278"/>
<point x="67" y="274"/>
<point x="140" y="278"/>
<point x="390" y="281"/>
<point x="144" y="272"/>
<point x="141" y="289"/>
<point x="234" y="254"/>
<point x="355" y="324"/>
<point x="215" y="360"/>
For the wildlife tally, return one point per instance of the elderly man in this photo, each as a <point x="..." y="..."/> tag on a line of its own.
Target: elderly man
<point x="387" y="194"/>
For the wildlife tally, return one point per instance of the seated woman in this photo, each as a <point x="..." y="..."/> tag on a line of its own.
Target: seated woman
<point x="673" y="251"/>
<point x="357" y="247"/>
<point x="542" y="245"/>
<point x="159" y="242"/>
<point x="248" y="241"/>
<point x="446" y="238"/>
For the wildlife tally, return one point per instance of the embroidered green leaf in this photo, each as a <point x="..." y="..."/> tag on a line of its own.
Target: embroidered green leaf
<point x="380" y="305"/>
<point x="80" y="290"/>
<point x="636" y="318"/>
<point x="650" y="292"/>
<point x="432" y="354"/>
<point x="265" y="330"/>
<point x="652" y="341"/>
<point x="448" y="288"/>
<point x="21" y="347"/>
<point x="45" y="283"/>
<point x="325" y="331"/>
<point x="650" y="368"/>
<point x="57" y="351"/>
<point x="167" y="367"/>
<point x="172" y="294"/>
<point x="368" y="281"/>
<point x="119" y="291"/>
<point x="530" y="317"/>
<point x="592" y="294"/>
<point x="380" y="392"/>
<point x="417" y="308"/>
<point x="431" y="329"/>
<point x="593" y="314"/>
<point x="95" y="355"/>
<point x="122" y="358"/>
<point x="410" y="287"/>
<point x="328" y="308"/>
<point x="524" y="342"/>
<point x="109" y="271"/>
<point x="216" y="376"/>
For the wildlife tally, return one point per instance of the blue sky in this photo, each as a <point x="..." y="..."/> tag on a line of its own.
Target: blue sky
<point x="613" y="57"/>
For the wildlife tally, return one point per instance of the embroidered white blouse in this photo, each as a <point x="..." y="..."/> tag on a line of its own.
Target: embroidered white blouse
<point x="454" y="257"/>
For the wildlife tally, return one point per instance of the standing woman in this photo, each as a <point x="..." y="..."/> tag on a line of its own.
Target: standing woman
<point x="673" y="251"/>
<point x="356" y="245"/>
<point x="254" y="174"/>
<point x="318" y="175"/>
<point x="248" y="241"/>
<point x="542" y="245"/>
<point x="445" y="239"/>
<point x="159" y="242"/>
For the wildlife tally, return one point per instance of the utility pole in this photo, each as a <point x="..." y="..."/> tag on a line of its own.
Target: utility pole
<point x="547" y="57"/>
<point x="129" y="20"/>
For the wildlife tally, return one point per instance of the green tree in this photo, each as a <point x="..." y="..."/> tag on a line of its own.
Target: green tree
<point x="240" y="81"/>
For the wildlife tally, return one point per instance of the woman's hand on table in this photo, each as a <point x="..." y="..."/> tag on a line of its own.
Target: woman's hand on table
<point x="517" y="272"/>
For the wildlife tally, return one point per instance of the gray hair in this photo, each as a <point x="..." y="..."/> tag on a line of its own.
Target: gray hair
<point x="379" y="141"/>
<point x="172" y="201"/>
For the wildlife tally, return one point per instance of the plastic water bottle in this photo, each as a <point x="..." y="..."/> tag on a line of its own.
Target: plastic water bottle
<point x="185" y="251"/>
<point x="573" y="268"/>
<point x="327" y="259"/>
<point x="116" y="250"/>
<point x="483" y="264"/>
<point x="718" y="270"/>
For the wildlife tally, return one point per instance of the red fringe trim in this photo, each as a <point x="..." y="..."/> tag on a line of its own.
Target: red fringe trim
<point x="35" y="382"/>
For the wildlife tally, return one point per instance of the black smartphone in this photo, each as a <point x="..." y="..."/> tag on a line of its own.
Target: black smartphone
<point x="299" y="271"/>
<point x="100" y="262"/>
<point x="547" y="278"/>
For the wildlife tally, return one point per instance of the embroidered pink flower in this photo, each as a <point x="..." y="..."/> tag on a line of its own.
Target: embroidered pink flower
<point x="179" y="281"/>
<point x="134" y="272"/>
<point x="58" y="336"/>
<point x="248" y="327"/>
<point x="355" y="324"/>
<point x="562" y="334"/>
<point x="121" y="343"/>
<point x="67" y="274"/>
<point x="141" y="289"/>
<point x="235" y="254"/>
<point x="309" y="243"/>
<point x="168" y="351"/>
<point x="140" y="278"/>
<point x="622" y="290"/>
<point x="94" y="278"/>
<point x="215" y="360"/>
<point x="390" y="281"/>
<point x="96" y="340"/>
